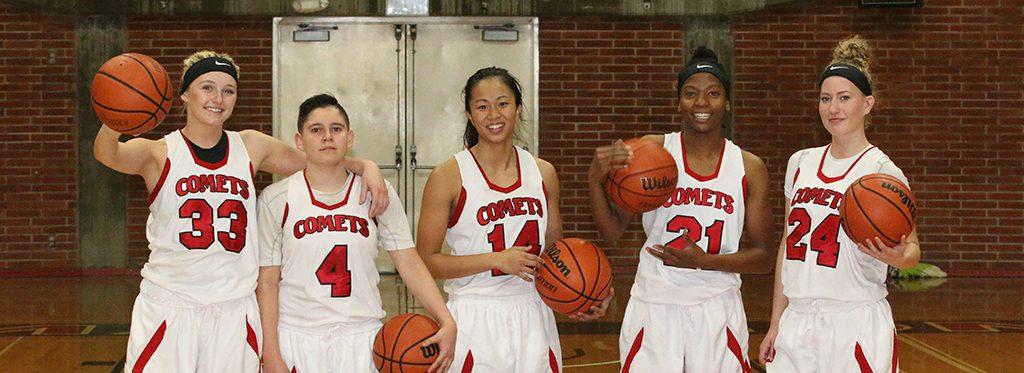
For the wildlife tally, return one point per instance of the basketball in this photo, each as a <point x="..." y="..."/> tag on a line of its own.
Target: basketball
<point x="575" y="276"/>
<point x="397" y="346"/>
<point x="131" y="93"/>
<point x="648" y="180"/>
<point x="878" y="205"/>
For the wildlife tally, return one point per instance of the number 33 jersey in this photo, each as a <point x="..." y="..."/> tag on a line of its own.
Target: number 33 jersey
<point x="821" y="261"/>
<point x="201" y="227"/>
<point x="711" y="209"/>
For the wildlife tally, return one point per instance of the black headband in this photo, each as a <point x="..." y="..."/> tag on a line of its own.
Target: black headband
<point x="204" y="66"/>
<point x="713" y="68"/>
<point x="851" y="73"/>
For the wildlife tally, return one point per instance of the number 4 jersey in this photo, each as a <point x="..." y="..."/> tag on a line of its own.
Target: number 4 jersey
<point x="711" y="209"/>
<point x="326" y="245"/>
<point x="201" y="241"/>
<point x="821" y="261"/>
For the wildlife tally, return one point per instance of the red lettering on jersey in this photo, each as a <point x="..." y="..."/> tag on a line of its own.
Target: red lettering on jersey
<point x="817" y="196"/>
<point x="331" y="223"/>
<point x="515" y="206"/>
<point x="212" y="183"/>
<point x="702" y="197"/>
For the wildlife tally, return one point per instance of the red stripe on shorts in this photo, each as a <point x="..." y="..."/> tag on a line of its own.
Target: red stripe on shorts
<point x="250" y="336"/>
<point x="637" y="341"/>
<point x="895" y="359"/>
<point x="147" y="352"/>
<point x="734" y="345"/>
<point x="467" y="366"/>
<point x="552" y="361"/>
<point x="862" y="361"/>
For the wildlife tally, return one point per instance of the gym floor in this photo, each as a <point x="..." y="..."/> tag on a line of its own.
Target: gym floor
<point x="68" y="324"/>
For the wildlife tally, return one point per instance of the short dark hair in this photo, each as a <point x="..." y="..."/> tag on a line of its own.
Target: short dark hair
<point x="320" y="101"/>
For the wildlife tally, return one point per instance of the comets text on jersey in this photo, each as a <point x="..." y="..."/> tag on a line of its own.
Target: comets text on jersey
<point x="516" y="206"/>
<point x="212" y="183"/>
<point x="331" y="223"/>
<point x="702" y="197"/>
<point x="817" y="196"/>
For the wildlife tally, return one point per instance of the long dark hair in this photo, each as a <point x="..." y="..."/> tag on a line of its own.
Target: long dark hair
<point x="471" y="137"/>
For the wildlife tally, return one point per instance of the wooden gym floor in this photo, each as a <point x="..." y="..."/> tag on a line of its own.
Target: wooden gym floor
<point x="80" y="324"/>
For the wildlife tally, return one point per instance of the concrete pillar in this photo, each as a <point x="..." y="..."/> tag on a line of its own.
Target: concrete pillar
<point x="102" y="237"/>
<point x="715" y="32"/>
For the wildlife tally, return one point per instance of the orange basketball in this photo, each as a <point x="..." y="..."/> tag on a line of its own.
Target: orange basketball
<point x="575" y="276"/>
<point x="878" y="205"/>
<point x="397" y="346"/>
<point x="647" y="182"/>
<point x="131" y="93"/>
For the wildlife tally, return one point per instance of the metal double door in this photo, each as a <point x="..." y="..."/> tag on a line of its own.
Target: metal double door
<point x="400" y="80"/>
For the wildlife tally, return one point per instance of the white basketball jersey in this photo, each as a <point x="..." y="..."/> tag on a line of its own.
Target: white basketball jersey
<point x="328" y="274"/>
<point x="712" y="209"/>
<point x="490" y="218"/>
<point x="202" y="224"/>
<point x="821" y="261"/>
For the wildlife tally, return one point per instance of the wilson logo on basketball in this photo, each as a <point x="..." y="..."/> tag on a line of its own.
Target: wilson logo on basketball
<point x="650" y="183"/>
<point x="430" y="351"/>
<point x="554" y="253"/>
<point x="904" y="197"/>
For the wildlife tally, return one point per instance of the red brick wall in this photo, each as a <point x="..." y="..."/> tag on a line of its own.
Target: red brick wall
<point x="170" y="40"/>
<point x="603" y="79"/>
<point x="949" y="111"/>
<point x="38" y="141"/>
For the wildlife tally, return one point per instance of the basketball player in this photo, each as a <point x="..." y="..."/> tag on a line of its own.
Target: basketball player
<point x="318" y="279"/>
<point x="685" y="312"/>
<point x="196" y="310"/>
<point x="496" y="206"/>
<point x="829" y="312"/>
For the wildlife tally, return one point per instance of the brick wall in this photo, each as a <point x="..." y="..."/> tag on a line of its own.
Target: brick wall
<point x="603" y="79"/>
<point x="38" y="141"/>
<point x="949" y="112"/>
<point x="950" y="77"/>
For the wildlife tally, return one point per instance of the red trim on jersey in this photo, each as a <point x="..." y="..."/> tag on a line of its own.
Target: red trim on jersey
<point x="862" y="361"/>
<point x="734" y="345"/>
<point x="285" y="218"/>
<point x="159" y="182"/>
<point x="250" y="337"/>
<point x="552" y="361"/>
<point x="637" y="341"/>
<point x="743" y="183"/>
<point x="895" y="359"/>
<point x="293" y="370"/>
<point x="205" y="164"/>
<point x="494" y="187"/>
<point x="151" y="347"/>
<point x="694" y="174"/>
<point x="467" y="366"/>
<point x="252" y="172"/>
<point x="459" y="206"/>
<point x="796" y="175"/>
<point x="829" y="180"/>
<point x="325" y="206"/>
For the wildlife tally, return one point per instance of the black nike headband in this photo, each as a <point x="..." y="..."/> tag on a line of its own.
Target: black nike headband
<point x="851" y="73"/>
<point x="204" y="66"/>
<point x="713" y="68"/>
